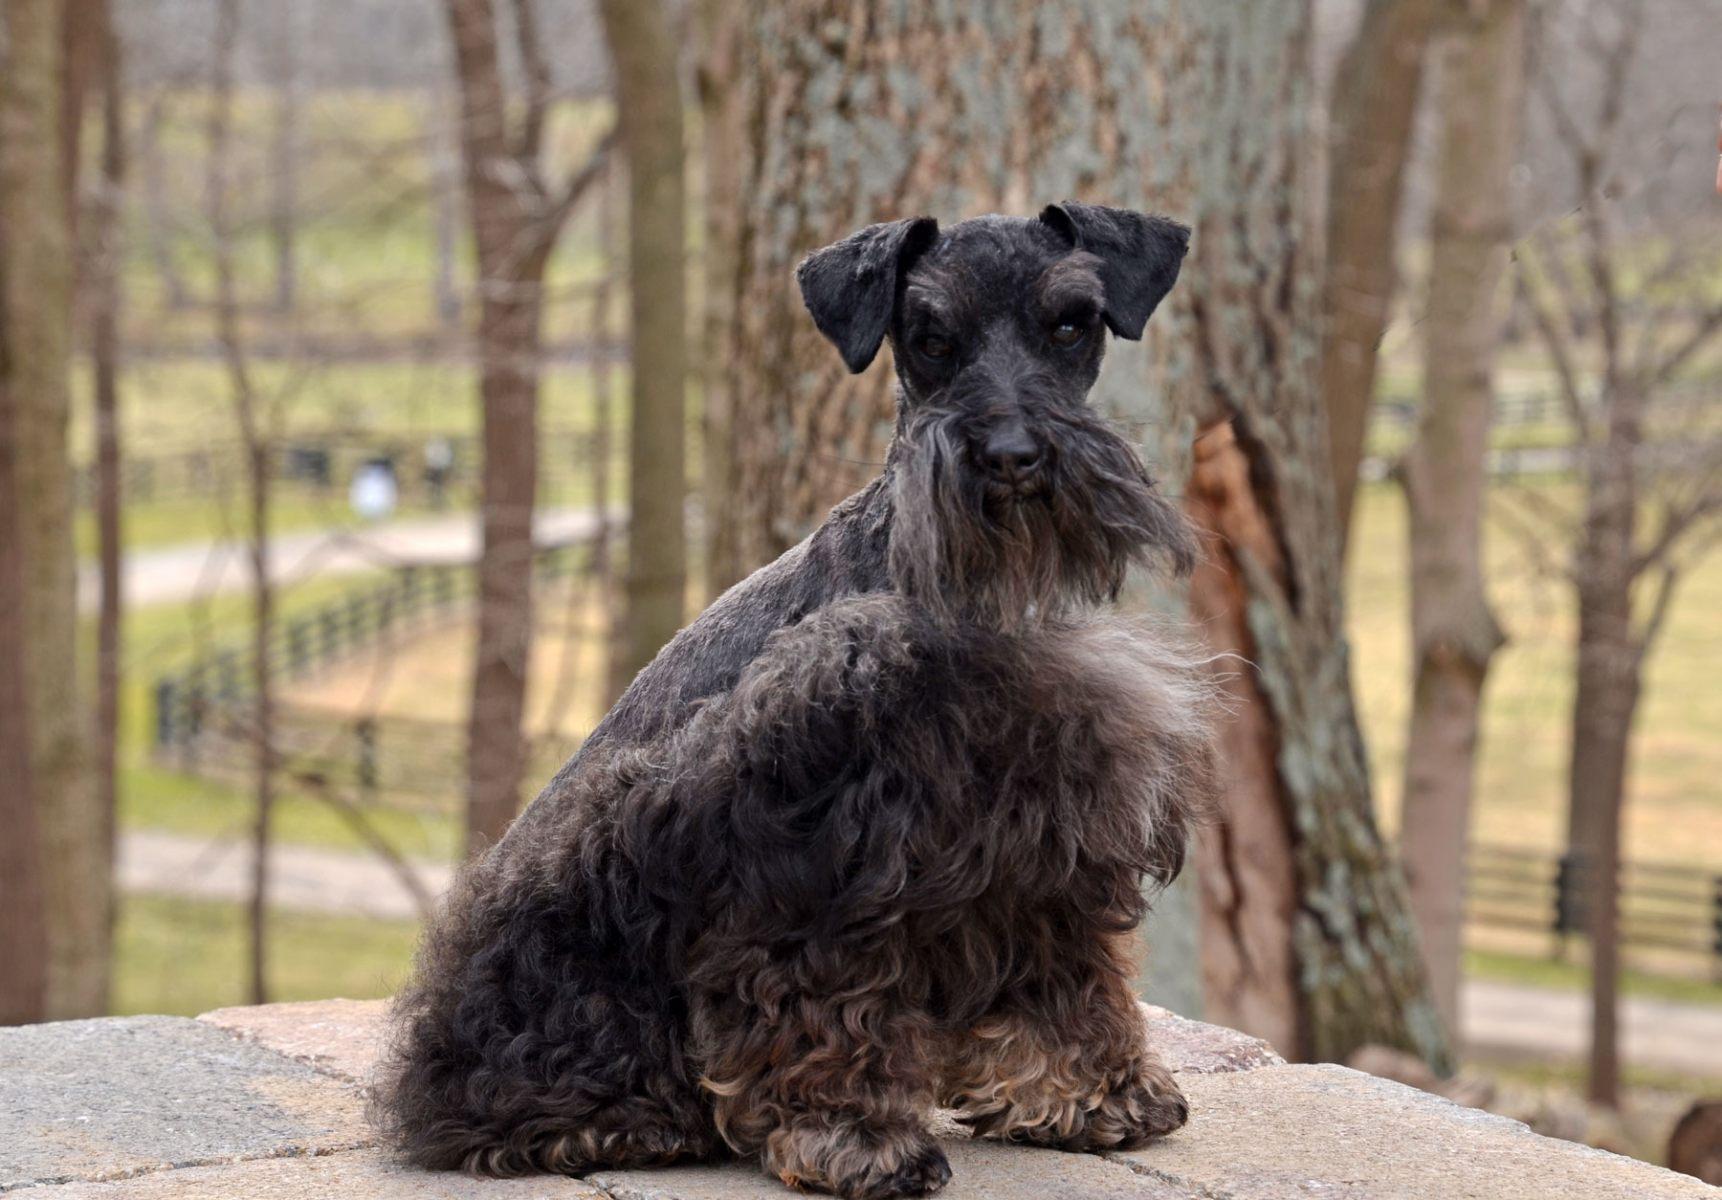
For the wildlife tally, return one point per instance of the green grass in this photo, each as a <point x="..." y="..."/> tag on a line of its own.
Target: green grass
<point x="162" y="799"/>
<point x="1572" y="976"/>
<point x="1673" y="813"/>
<point x="188" y="956"/>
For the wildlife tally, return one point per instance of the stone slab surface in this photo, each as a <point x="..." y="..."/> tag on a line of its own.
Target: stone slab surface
<point x="338" y="1037"/>
<point x="1302" y="1131"/>
<point x="1195" y="1048"/>
<point x="107" y="1098"/>
<point x="355" y="1175"/>
<point x="344" y="1037"/>
<point x="979" y="1171"/>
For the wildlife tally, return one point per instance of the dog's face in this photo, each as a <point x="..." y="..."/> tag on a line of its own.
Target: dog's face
<point x="1014" y="498"/>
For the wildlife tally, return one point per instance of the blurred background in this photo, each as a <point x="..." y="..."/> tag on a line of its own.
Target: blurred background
<point x="382" y="382"/>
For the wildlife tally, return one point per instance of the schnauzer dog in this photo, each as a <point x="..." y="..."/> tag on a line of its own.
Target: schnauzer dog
<point x="869" y="836"/>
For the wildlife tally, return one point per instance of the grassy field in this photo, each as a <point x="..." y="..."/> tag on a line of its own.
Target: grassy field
<point x="1674" y="809"/>
<point x="187" y="956"/>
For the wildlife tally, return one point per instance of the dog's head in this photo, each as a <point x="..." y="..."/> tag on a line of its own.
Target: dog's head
<point x="1014" y="498"/>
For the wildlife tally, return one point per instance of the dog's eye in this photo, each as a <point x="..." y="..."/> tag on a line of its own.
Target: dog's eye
<point x="1068" y="333"/>
<point x="935" y="347"/>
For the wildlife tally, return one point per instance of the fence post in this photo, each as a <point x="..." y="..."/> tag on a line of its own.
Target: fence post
<point x="1569" y="904"/>
<point x="166" y="700"/>
<point x="365" y="738"/>
<point x="298" y="648"/>
<point x="331" y="625"/>
<point x="1716" y="926"/>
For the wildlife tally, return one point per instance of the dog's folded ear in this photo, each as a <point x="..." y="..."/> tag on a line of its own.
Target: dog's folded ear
<point x="851" y="287"/>
<point x="1139" y="255"/>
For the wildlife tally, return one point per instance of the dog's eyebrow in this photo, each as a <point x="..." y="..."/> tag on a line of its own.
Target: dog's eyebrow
<point x="928" y="292"/>
<point x="1072" y="280"/>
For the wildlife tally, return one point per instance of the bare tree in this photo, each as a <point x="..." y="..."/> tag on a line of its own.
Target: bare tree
<point x="516" y="217"/>
<point x="1639" y="280"/>
<point x="255" y="444"/>
<point x="35" y="349"/>
<point x="649" y="100"/>
<point x="1374" y="100"/>
<point x="1480" y="73"/>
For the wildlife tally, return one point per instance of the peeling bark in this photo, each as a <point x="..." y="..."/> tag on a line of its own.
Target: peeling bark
<point x="1340" y="943"/>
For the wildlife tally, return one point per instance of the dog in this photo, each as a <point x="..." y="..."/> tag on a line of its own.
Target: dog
<point x="871" y="835"/>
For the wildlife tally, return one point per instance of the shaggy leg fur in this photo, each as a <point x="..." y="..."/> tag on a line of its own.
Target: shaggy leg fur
<point x="535" y="1038"/>
<point x="1069" y="1067"/>
<point x="830" y="1091"/>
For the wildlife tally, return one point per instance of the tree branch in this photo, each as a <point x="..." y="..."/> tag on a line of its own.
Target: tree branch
<point x="538" y="87"/>
<point x="1560" y="351"/>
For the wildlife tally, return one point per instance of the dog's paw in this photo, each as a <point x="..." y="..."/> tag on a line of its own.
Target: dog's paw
<point x="858" y="1161"/>
<point x="1146" y="1106"/>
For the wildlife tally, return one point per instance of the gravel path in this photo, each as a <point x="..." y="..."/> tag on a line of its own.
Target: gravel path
<point x="175" y="574"/>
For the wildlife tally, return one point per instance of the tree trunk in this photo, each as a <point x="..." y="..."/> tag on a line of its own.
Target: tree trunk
<point x="105" y="351"/>
<point x="722" y="137"/>
<point x="254" y="439"/>
<point x="1300" y="894"/>
<point x="1308" y="937"/>
<point x="512" y="253"/>
<point x="35" y="267"/>
<point x="1374" y="102"/>
<point x="649" y="104"/>
<point x="1453" y="632"/>
<point x="1610" y="659"/>
<point x="24" y="932"/>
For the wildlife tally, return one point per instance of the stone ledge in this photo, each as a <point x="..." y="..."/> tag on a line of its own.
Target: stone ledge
<point x="267" y="1102"/>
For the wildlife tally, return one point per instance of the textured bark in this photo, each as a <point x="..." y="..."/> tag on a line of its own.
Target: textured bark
<point x="649" y="101"/>
<point x="1453" y="632"/>
<point x="515" y="219"/>
<point x="875" y="111"/>
<point x="35" y="269"/>
<point x="1374" y="101"/>
<point x="1342" y="942"/>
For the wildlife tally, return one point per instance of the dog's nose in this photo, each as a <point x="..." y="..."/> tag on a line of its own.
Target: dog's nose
<point x="1010" y="455"/>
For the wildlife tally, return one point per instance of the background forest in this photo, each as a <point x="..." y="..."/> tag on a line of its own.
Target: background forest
<point x="383" y="382"/>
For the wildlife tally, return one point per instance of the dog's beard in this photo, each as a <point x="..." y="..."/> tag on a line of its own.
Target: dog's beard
<point x="966" y="550"/>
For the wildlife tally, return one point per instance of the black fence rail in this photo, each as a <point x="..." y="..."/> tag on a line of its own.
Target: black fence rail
<point x="426" y="466"/>
<point x="200" y="703"/>
<point x="1663" y="907"/>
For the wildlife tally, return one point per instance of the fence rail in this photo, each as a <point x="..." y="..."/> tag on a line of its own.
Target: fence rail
<point x="1663" y="907"/>
<point x="194" y="707"/>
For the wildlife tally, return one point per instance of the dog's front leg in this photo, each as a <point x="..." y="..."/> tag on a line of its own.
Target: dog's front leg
<point x="1066" y="1063"/>
<point x="829" y="1085"/>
